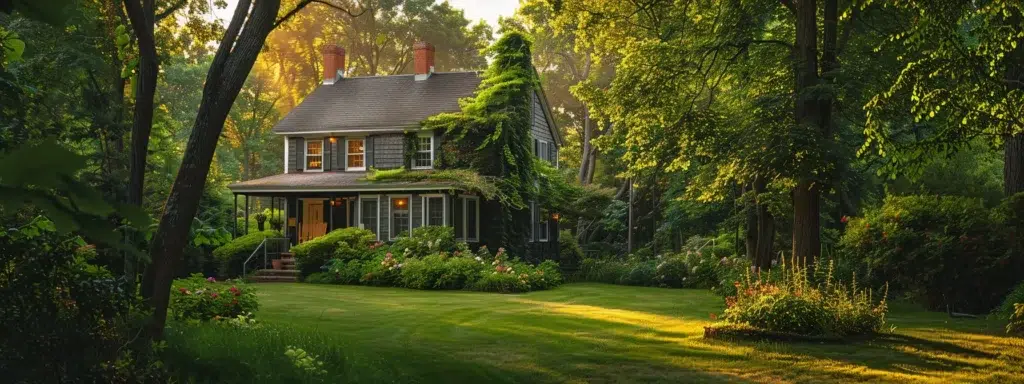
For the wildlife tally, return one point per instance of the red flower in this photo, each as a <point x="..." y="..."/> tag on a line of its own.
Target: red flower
<point x="713" y="316"/>
<point x="213" y="295"/>
<point x="844" y="219"/>
<point x="182" y="290"/>
<point x="238" y="293"/>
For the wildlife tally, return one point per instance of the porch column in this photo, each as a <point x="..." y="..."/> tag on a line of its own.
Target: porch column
<point x="246" y="214"/>
<point x="234" y="218"/>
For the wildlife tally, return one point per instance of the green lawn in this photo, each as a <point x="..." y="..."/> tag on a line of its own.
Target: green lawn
<point x="576" y="333"/>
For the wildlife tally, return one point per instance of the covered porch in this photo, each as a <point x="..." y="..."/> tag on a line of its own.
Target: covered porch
<point x="315" y="203"/>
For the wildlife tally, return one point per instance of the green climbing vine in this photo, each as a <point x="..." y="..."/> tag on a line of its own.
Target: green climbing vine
<point x="491" y="134"/>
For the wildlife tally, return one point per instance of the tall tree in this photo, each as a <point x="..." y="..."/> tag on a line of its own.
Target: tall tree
<point x="962" y="80"/>
<point x="241" y="44"/>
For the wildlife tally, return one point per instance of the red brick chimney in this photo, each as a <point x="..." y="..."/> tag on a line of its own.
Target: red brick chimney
<point x="423" y="59"/>
<point x="334" y="63"/>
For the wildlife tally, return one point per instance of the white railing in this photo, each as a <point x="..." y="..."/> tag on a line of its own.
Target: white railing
<point x="279" y="243"/>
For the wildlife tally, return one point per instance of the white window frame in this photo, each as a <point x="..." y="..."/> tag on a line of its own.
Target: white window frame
<point x="286" y="154"/>
<point x="305" y="158"/>
<point x="419" y="150"/>
<point x="545" y="235"/>
<point x="359" y="214"/>
<point x="465" y="222"/>
<point x="347" y="154"/>
<point x="392" y="234"/>
<point x="444" y="208"/>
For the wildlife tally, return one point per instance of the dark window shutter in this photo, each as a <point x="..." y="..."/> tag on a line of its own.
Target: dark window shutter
<point x="300" y="154"/>
<point x="552" y="154"/>
<point x="328" y="154"/>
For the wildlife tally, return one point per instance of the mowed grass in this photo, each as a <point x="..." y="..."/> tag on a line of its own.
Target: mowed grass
<point x="576" y="333"/>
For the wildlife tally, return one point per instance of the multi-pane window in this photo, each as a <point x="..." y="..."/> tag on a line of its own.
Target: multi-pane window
<point x="399" y="216"/>
<point x="315" y="155"/>
<point x="542" y="149"/>
<point x="540" y="226"/>
<point x="467" y="218"/>
<point x="424" y="156"/>
<point x="356" y="158"/>
<point x="433" y="208"/>
<point x="368" y="214"/>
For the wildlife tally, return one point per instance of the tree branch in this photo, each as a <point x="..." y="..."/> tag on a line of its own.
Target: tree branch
<point x="302" y="4"/>
<point x="170" y="10"/>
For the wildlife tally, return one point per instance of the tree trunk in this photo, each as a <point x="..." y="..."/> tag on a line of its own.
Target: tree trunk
<point x="231" y="65"/>
<point x="1013" y="164"/>
<point x="806" y="220"/>
<point x="765" y="227"/>
<point x="750" y="234"/>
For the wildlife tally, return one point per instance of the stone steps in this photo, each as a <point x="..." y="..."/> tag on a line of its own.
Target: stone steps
<point x="289" y="273"/>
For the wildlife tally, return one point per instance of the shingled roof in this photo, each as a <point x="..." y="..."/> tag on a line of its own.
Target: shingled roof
<point x="378" y="103"/>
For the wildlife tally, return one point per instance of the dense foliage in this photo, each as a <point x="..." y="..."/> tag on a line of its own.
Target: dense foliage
<point x="346" y="243"/>
<point x="65" y="319"/>
<point x="230" y="256"/>
<point x="949" y="252"/>
<point x="794" y="304"/>
<point x="203" y="299"/>
<point x="431" y="259"/>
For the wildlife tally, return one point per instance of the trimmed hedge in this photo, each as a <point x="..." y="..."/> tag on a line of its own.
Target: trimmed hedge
<point x="230" y="256"/>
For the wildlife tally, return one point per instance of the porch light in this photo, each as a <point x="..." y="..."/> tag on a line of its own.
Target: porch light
<point x="333" y="139"/>
<point x="555" y="216"/>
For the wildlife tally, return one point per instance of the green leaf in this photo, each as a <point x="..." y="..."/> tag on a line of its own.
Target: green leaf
<point x="13" y="49"/>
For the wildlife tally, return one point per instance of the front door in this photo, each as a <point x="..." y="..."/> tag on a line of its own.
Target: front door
<point x="313" y="224"/>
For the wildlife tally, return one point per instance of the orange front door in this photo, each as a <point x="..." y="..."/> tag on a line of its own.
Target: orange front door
<point x="313" y="224"/>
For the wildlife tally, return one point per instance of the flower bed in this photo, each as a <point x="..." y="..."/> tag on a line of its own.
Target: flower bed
<point x="203" y="299"/>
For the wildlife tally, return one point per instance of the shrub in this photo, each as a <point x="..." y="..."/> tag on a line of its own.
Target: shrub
<point x="382" y="270"/>
<point x="322" y="278"/>
<point x="570" y="254"/>
<point x="425" y="241"/>
<point x="793" y="305"/>
<point x="643" y="273"/>
<point x="672" y="272"/>
<point x="64" y="318"/>
<point x="203" y="299"/>
<point x="347" y="243"/>
<point x="342" y="272"/>
<point x="501" y="283"/>
<point x="603" y="271"/>
<point x="1006" y="310"/>
<point x="949" y="252"/>
<point x="439" y="271"/>
<point x="1016" y="325"/>
<point x="230" y="256"/>
<point x="703" y="270"/>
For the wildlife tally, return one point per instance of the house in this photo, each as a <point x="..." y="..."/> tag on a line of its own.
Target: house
<point x="351" y="125"/>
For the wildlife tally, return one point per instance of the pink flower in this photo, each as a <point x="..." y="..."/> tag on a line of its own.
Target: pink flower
<point x="844" y="219"/>
<point x="213" y="295"/>
<point x="211" y="279"/>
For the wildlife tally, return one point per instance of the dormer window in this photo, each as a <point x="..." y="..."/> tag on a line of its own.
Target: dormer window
<point x="542" y="149"/>
<point x="315" y="155"/>
<point x="424" y="156"/>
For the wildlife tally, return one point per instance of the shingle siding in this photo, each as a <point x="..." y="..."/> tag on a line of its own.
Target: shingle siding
<point x="539" y="128"/>
<point x="388" y="151"/>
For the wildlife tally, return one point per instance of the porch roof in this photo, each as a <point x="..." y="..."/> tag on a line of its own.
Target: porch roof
<point x="330" y="182"/>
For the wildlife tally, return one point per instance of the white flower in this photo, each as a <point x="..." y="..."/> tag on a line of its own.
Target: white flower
<point x="479" y="259"/>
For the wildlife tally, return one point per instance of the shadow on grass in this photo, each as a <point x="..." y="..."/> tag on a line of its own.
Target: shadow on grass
<point x="585" y="333"/>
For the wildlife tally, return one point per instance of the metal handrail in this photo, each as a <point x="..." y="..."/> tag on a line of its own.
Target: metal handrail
<point x="263" y="246"/>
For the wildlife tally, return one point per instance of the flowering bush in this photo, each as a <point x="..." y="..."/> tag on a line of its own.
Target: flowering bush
<point x="203" y="299"/>
<point x="949" y="252"/>
<point x="426" y="240"/>
<point x="382" y="270"/>
<point x="672" y="272"/>
<point x="441" y="271"/>
<point x="794" y="305"/>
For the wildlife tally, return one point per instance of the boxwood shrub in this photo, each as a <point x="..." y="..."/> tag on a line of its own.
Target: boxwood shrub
<point x="230" y="256"/>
